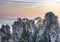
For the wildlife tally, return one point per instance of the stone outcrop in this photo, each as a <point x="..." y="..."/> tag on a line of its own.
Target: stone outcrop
<point x="32" y="30"/>
<point x="5" y="34"/>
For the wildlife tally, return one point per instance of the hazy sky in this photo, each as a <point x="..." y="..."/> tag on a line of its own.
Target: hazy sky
<point x="10" y="9"/>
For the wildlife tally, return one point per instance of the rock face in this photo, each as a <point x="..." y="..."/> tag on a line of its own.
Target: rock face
<point x="51" y="28"/>
<point x="17" y="29"/>
<point x="32" y="30"/>
<point x="0" y="36"/>
<point x="42" y="31"/>
<point x="5" y="33"/>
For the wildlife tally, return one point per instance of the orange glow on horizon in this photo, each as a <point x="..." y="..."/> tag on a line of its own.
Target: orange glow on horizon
<point x="29" y="11"/>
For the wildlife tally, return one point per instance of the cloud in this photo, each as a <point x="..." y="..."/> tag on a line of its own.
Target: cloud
<point x="20" y="2"/>
<point x="7" y="20"/>
<point x="6" y="2"/>
<point x="28" y="2"/>
<point x="23" y="3"/>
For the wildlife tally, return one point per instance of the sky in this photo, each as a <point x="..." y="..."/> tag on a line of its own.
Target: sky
<point x="11" y="9"/>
